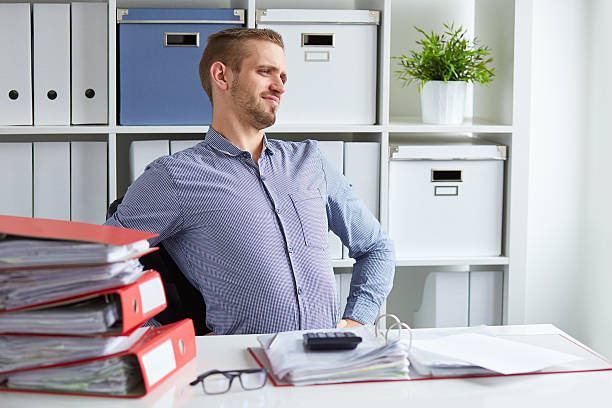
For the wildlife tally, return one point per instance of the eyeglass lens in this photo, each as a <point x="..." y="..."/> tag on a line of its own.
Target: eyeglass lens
<point x="218" y="383"/>
<point x="253" y="381"/>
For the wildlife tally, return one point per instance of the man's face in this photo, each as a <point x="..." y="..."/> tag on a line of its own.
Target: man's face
<point x="257" y="91"/>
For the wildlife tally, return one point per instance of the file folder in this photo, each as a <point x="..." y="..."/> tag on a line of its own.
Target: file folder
<point x="143" y="152"/>
<point x="16" y="189"/>
<point x="486" y="297"/>
<point x="445" y="300"/>
<point x="137" y="302"/>
<point x="161" y="352"/>
<point x="16" y="74"/>
<point x="89" y="63"/>
<point x="51" y="64"/>
<point x="52" y="180"/>
<point x="334" y="152"/>
<point x="74" y="231"/>
<point x="361" y="168"/>
<point x="88" y="181"/>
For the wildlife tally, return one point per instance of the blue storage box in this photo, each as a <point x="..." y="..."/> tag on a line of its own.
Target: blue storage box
<point x="159" y="53"/>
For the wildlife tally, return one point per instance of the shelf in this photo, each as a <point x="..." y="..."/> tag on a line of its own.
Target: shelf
<point x="324" y="129"/>
<point x="343" y="263"/>
<point x="455" y="261"/>
<point x="414" y="124"/>
<point x="53" y="130"/>
<point x="452" y="261"/>
<point x="202" y="129"/>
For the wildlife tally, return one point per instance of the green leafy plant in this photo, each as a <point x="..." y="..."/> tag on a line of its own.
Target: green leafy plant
<point x="449" y="56"/>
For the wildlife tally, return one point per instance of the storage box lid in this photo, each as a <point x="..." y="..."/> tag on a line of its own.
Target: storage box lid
<point x="303" y="16"/>
<point x="450" y="149"/>
<point x="183" y="16"/>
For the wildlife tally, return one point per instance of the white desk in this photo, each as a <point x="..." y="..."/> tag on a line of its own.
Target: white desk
<point x="590" y="389"/>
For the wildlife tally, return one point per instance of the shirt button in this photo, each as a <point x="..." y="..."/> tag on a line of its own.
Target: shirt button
<point x="300" y="291"/>
<point x="263" y="178"/>
<point x="277" y="210"/>
<point x="290" y="250"/>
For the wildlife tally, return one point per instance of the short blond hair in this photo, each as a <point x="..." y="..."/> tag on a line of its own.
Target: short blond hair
<point x="229" y="46"/>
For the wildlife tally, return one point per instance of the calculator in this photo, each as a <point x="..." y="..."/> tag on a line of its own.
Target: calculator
<point x="333" y="340"/>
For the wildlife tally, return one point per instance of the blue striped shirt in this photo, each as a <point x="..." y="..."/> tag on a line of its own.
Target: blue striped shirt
<point x="253" y="238"/>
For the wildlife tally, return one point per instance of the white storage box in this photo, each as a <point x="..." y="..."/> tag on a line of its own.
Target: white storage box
<point x="331" y="64"/>
<point x="446" y="200"/>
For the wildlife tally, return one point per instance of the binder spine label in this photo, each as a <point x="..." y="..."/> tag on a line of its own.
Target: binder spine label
<point x="152" y="295"/>
<point x="159" y="362"/>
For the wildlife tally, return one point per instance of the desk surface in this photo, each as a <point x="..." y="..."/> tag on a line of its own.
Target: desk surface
<point x="229" y="352"/>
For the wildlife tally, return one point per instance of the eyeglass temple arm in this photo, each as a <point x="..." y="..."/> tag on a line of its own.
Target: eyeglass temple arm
<point x="201" y="376"/>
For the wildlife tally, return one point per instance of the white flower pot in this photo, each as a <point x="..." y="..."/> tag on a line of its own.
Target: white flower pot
<point x="443" y="103"/>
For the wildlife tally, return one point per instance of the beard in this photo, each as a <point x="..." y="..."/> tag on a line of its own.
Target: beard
<point x="252" y="109"/>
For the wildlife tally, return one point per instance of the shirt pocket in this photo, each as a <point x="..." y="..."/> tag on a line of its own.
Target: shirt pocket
<point x="312" y="215"/>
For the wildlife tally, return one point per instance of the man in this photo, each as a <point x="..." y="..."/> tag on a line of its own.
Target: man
<point x="246" y="218"/>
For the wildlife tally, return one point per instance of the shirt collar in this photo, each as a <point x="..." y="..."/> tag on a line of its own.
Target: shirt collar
<point x="220" y="143"/>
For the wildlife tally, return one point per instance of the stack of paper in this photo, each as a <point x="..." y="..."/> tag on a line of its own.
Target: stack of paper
<point x="89" y="316"/>
<point x="476" y="352"/>
<point x="18" y="252"/>
<point x="18" y="352"/>
<point x="114" y="376"/>
<point x="371" y="360"/>
<point x="24" y="287"/>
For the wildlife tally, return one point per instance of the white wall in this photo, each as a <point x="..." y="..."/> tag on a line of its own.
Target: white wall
<point x="569" y="262"/>
<point x="596" y="274"/>
<point x="559" y="122"/>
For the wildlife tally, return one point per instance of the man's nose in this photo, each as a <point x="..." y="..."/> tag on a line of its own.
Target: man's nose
<point x="278" y="86"/>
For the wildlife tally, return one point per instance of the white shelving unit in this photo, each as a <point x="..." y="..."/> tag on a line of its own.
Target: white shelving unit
<point x="500" y="112"/>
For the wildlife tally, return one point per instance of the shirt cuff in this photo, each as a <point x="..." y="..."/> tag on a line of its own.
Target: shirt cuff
<point x="363" y="311"/>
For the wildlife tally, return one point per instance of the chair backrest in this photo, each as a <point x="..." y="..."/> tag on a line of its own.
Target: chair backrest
<point x="183" y="299"/>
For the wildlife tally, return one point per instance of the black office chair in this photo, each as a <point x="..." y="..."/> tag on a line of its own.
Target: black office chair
<point x="183" y="299"/>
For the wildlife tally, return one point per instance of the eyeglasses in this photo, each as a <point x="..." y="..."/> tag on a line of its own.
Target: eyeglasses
<point x="218" y="382"/>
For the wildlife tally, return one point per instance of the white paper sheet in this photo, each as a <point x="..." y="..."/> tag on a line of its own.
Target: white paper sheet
<point x="494" y="353"/>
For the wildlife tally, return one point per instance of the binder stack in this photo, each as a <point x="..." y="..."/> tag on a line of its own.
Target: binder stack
<point x="73" y="301"/>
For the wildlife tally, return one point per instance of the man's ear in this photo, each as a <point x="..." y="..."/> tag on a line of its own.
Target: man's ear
<point x="218" y="75"/>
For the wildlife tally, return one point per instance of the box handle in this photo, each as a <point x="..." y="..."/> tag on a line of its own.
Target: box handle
<point x="318" y="39"/>
<point x="446" y="190"/>
<point x="181" y="39"/>
<point x="454" y="176"/>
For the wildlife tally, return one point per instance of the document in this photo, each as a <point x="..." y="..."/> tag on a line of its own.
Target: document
<point x="19" y="352"/>
<point x="23" y="287"/>
<point x="115" y="376"/>
<point x="86" y="317"/>
<point x="492" y="353"/>
<point x="371" y="360"/>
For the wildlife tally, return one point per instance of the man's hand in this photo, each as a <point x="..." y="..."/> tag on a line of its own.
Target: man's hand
<point x="347" y="323"/>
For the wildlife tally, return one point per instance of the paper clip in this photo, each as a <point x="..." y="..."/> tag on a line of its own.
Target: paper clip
<point x="397" y="324"/>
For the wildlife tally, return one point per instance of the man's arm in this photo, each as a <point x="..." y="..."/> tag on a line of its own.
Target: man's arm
<point x="151" y="204"/>
<point x="368" y="244"/>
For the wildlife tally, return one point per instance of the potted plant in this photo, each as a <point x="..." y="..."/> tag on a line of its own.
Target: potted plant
<point x="442" y="68"/>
